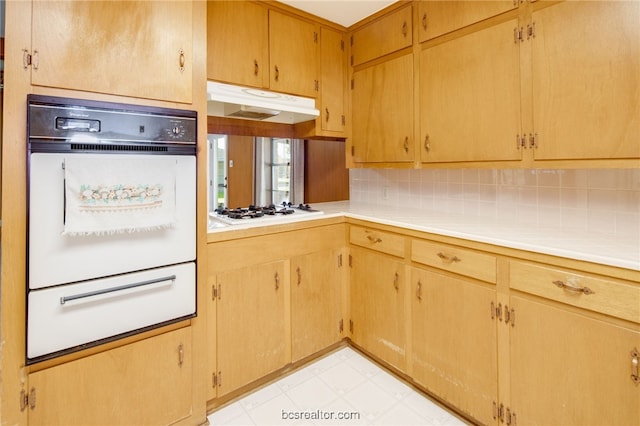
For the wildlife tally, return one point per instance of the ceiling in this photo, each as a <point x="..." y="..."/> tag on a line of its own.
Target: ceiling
<point x="343" y="12"/>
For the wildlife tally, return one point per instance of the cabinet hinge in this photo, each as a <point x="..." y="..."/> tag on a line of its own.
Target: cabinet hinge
<point x="29" y="59"/>
<point x="509" y="316"/>
<point x="518" y="35"/>
<point x="531" y="30"/>
<point x="340" y="326"/>
<point x="27" y="399"/>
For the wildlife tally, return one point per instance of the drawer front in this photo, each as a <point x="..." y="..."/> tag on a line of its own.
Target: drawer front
<point x="377" y="240"/>
<point x="460" y="261"/>
<point x="607" y="296"/>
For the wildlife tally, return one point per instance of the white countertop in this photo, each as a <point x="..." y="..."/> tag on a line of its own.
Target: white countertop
<point x="598" y="248"/>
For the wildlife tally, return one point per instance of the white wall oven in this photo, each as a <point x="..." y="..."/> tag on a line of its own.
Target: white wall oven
<point x="111" y="222"/>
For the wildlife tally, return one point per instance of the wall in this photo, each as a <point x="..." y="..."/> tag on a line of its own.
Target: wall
<point x="601" y="200"/>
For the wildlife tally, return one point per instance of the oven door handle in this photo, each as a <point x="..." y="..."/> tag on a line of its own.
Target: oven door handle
<point x="65" y="299"/>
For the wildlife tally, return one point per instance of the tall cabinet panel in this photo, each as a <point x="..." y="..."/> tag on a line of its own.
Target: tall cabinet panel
<point x="586" y="80"/>
<point x="238" y="43"/>
<point x="382" y="110"/>
<point x="116" y="47"/>
<point x="470" y="97"/>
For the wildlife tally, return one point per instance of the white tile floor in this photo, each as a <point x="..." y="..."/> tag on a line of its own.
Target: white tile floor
<point x="345" y="384"/>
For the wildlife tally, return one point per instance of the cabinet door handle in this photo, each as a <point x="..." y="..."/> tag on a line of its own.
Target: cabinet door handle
<point x="181" y="59"/>
<point x="427" y="145"/>
<point x="419" y="290"/>
<point x="256" y="67"/>
<point x="277" y="73"/>
<point x="299" y="272"/>
<point x="180" y="354"/>
<point x="396" y="284"/>
<point x="635" y="366"/>
<point x="277" y="280"/>
<point x="406" y="144"/>
<point x="404" y="29"/>
<point x="326" y="112"/>
<point x="424" y="21"/>
<point x="573" y="289"/>
<point x="450" y="259"/>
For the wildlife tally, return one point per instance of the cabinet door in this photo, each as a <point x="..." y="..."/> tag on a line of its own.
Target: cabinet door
<point x="386" y="35"/>
<point x="378" y="306"/>
<point x="332" y="80"/>
<point x="586" y="80"/>
<point x="133" y="48"/>
<point x="316" y="309"/>
<point x="470" y="97"/>
<point x="143" y="383"/>
<point x="382" y="109"/>
<point x="238" y="43"/>
<point x="251" y="329"/>
<point x="293" y="52"/>
<point x="454" y="347"/>
<point x="440" y="17"/>
<point x="569" y="369"/>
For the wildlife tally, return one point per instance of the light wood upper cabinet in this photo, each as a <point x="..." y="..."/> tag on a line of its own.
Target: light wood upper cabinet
<point x="144" y="383"/>
<point x="293" y="53"/>
<point x="316" y="308"/>
<point x="470" y="97"/>
<point x="238" y="43"/>
<point x="252" y="45"/>
<point x="436" y="18"/>
<point x="586" y="80"/>
<point x="559" y="359"/>
<point x="388" y="34"/>
<point x="333" y="70"/>
<point x="382" y="111"/>
<point x="140" y="49"/>
<point x="454" y="341"/>
<point x="378" y="308"/>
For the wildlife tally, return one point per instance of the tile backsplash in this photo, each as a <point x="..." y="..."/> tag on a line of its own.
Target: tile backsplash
<point x="600" y="200"/>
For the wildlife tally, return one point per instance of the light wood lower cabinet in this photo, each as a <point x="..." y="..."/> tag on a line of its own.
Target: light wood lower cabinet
<point x="144" y="383"/>
<point x="454" y="341"/>
<point x="378" y="305"/>
<point x="570" y="369"/>
<point x="316" y="302"/>
<point x="250" y="323"/>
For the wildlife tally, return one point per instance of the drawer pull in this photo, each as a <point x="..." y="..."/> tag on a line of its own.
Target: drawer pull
<point x="635" y="362"/>
<point x="565" y="286"/>
<point x="374" y="239"/>
<point x="450" y="259"/>
<point x="65" y="299"/>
